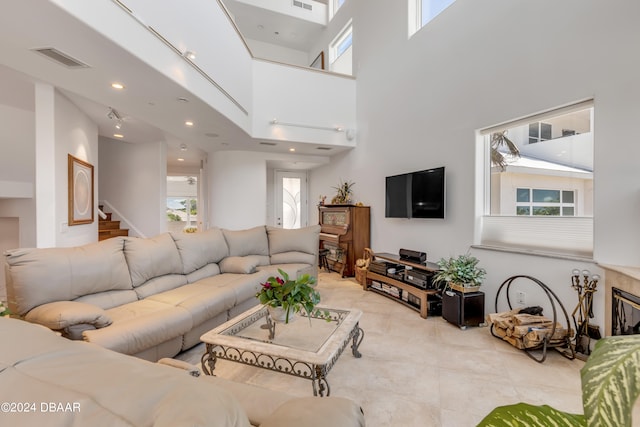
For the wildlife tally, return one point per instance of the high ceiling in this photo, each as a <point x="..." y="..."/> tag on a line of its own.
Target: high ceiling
<point x="152" y="106"/>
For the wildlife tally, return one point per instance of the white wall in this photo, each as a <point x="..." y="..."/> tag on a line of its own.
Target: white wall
<point x="237" y="189"/>
<point x="260" y="49"/>
<point x="419" y="102"/>
<point x="9" y="237"/>
<point x="17" y="165"/>
<point x="49" y="121"/>
<point x="299" y="96"/>
<point x="133" y="180"/>
<point x="77" y="135"/>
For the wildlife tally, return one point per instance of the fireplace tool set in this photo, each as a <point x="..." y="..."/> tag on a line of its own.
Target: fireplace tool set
<point x="586" y="286"/>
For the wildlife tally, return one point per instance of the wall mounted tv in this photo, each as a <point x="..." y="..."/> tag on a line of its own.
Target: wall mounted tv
<point x="416" y="195"/>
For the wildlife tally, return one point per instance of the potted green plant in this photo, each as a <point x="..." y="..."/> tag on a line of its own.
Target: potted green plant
<point x="344" y="193"/>
<point x="461" y="273"/>
<point x="610" y="388"/>
<point x="4" y="309"/>
<point x="284" y="296"/>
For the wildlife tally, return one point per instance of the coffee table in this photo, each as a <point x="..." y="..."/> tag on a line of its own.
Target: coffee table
<point x="307" y="348"/>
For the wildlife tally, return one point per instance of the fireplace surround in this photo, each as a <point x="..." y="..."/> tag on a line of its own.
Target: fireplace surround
<point x="625" y="279"/>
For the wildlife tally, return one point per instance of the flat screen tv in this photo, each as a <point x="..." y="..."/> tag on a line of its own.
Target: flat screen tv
<point x="418" y="194"/>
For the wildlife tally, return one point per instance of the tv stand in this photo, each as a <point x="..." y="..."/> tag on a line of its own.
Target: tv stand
<point x="420" y="294"/>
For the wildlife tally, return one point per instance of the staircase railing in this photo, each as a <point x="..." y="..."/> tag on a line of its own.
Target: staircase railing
<point x="122" y="218"/>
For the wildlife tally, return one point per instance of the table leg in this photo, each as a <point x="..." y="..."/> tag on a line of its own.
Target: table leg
<point x="358" y="336"/>
<point x="320" y="384"/>
<point x="208" y="360"/>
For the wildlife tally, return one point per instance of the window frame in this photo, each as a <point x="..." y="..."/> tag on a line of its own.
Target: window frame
<point x="343" y="35"/>
<point x="532" y="204"/>
<point x="415" y="15"/>
<point x="563" y="235"/>
<point x="334" y="6"/>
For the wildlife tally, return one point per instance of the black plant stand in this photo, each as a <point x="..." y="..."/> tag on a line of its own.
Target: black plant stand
<point x="463" y="308"/>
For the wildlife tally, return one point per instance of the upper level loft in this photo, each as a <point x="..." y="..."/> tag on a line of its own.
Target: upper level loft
<point x="187" y="73"/>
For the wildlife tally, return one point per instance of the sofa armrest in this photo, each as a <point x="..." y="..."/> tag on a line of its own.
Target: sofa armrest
<point x="316" y="412"/>
<point x="64" y="315"/>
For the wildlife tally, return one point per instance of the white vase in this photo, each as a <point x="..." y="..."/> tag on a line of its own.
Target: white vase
<point x="279" y="314"/>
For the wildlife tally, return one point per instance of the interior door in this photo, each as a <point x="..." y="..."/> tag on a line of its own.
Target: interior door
<point x="290" y="199"/>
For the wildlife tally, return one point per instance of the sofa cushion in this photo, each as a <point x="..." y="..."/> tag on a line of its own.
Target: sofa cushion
<point x="240" y="264"/>
<point x="38" y="276"/>
<point x="293" y="257"/>
<point x="63" y="314"/>
<point x="203" y="300"/>
<point x="109" y="389"/>
<point x="252" y="241"/>
<point x="316" y="412"/>
<point x="151" y="257"/>
<point x="259" y="403"/>
<point x="200" y="249"/>
<point x="305" y="240"/>
<point x="292" y="269"/>
<point x="160" y="284"/>
<point x="201" y="273"/>
<point x="140" y="325"/>
<point x="109" y="299"/>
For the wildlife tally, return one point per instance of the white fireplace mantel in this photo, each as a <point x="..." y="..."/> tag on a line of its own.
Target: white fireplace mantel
<point x="621" y="277"/>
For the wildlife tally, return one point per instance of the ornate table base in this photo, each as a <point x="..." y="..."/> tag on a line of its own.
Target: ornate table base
<point x="261" y="356"/>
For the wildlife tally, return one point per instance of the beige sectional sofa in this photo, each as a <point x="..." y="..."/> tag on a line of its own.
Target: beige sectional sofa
<point x="153" y="297"/>
<point x="51" y="381"/>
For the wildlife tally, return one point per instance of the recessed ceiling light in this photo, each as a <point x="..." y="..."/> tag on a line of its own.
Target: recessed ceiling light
<point x="292" y="149"/>
<point x="183" y="99"/>
<point x="180" y="159"/>
<point x="188" y="123"/>
<point x="189" y="54"/>
<point x="117" y="85"/>
<point x="183" y="147"/>
<point x="118" y="135"/>
<point x="211" y="135"/>
<point x="260" y="27"/>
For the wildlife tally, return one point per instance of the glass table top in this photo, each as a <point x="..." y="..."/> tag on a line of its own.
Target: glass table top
<point x="303" y="333"/>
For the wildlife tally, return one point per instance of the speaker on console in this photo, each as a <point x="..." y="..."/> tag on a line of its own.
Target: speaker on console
<point x="413" y="256"/>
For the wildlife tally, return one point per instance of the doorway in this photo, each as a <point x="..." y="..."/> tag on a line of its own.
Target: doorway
<point x="290" y="199"/>
<point x="182" y="203"/>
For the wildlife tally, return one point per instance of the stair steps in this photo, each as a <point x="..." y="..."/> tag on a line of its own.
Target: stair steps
<point x="108" y="228"/>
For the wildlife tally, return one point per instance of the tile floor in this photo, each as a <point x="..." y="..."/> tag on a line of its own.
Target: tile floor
<point x="423" y="372"/>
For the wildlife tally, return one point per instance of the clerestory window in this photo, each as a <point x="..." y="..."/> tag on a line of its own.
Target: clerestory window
<point x="423" y="11"/>
<point x="340" y="51"/>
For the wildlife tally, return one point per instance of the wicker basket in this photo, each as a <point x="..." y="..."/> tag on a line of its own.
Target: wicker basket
<point x="464" y="289"/>
<point x="362" y="266"/>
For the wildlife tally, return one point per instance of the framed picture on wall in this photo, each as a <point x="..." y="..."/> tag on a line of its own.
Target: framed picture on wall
<point x="80" y="191"/>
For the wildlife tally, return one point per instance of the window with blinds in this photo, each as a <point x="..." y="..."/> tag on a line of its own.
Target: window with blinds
<point x="538" y="188"/>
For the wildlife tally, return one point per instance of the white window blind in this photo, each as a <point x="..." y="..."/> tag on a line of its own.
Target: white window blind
<point x="563" y="235"/>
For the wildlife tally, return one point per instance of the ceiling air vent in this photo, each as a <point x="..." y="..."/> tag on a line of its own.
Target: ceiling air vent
<point x="324" y="148"/>
<point x="272" y="144"/>
<point x="302" y="5"/>
<point x="61" y="57"/>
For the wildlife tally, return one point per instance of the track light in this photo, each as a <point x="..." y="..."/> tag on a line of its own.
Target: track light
<point x="113" y="114"/>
